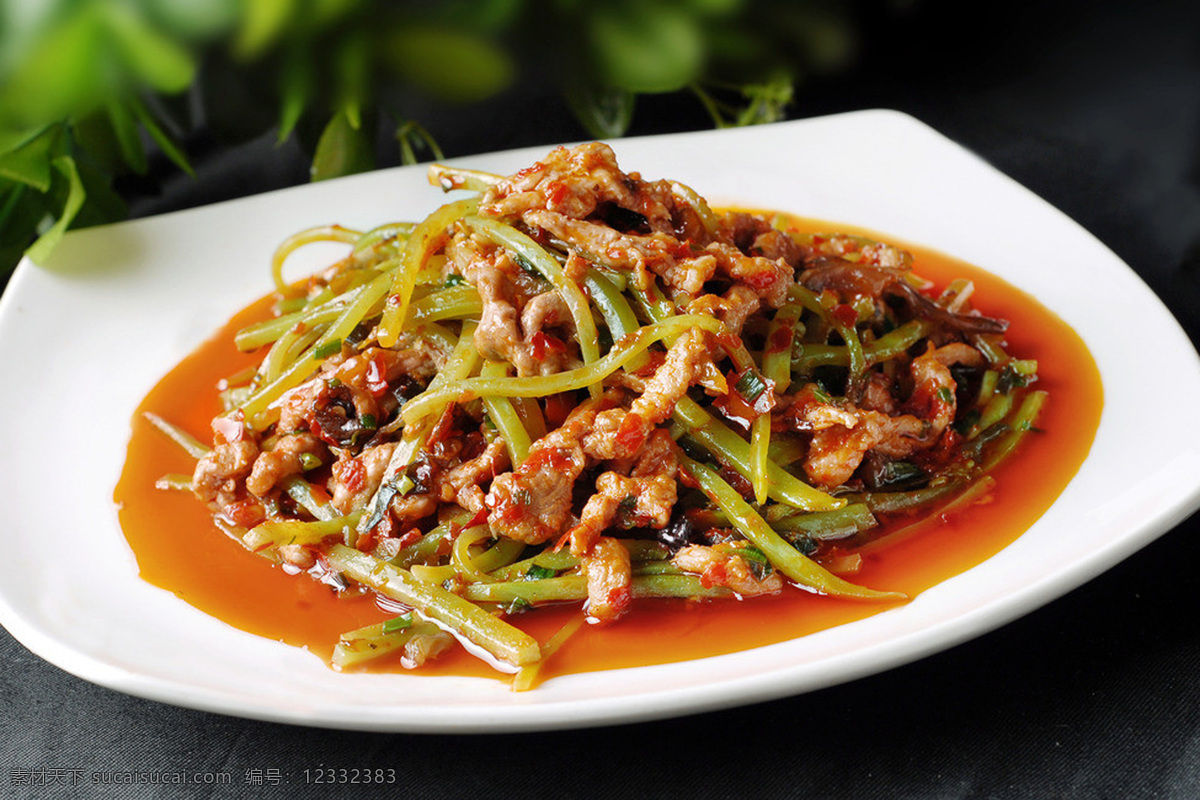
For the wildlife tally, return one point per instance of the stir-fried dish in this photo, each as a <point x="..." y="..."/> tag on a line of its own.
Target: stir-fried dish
<point x="575" y="385"/>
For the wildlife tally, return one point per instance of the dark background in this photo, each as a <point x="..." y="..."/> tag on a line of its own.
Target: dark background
<point x="1094" y="107"/>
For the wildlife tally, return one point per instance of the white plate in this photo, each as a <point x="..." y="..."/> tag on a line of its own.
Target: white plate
<point x="83" y="339"/>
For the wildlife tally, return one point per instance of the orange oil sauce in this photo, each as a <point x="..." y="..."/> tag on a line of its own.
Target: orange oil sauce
<point x="179" y="549"/>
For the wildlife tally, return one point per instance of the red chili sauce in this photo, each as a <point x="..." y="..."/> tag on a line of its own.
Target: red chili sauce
<point x="179" y="549"/>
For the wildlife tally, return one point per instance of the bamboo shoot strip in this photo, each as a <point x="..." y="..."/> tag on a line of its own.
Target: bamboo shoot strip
<point x="286" y="350"/>
<point x="460" y="616"/>
<point x="622" y="354"/>
<point x="890" y="502"/>
<point x="856" y="358"/>
<point x="256" y="408"/>
<point x="504" y="416"/>
<point x="391" y="233"/>
<point x="760" y="440"/>
<point x="617" y="313"/>
<point x="322" y="233"/>
<point x="190" y="444"/>
<point x="527" y="677"/>
<point x="785" y="558"/>
<point x="640" y="550"/>
<point x="710" y="221"/>
<point x="1023" y="422"/>
<point x="425" y="239"/>
<point x="262" y="333"/>
<point x="888" y="346"/>
<point x="734" y="451"/>
<point x="426" y="548"/>
<point x="572" y="588"/>
<point x="273" y="533"/>
<point x="549" y="559"/>
<point x="302" y="492"/>
<point x="843" y="522"/>
<point x="455" y="302"/>
<point x="615" y="309"/>
<point x="475" y="567"/>
<point x="451" y="178"/>
<point x="776" y="359"/>
<point x="777" y="369"/>
<point x="974" y="493"/>
<point x="996" y="409"/>
<point x="378" y="640"/>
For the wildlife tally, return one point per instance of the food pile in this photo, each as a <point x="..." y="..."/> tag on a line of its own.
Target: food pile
<point x="576" y="385"/>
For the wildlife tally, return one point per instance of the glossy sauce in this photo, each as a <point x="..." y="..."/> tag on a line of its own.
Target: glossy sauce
<point x="179" y="549"/>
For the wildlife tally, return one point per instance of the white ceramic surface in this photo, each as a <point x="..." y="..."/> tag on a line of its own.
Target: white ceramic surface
<point x="83" y="338"/>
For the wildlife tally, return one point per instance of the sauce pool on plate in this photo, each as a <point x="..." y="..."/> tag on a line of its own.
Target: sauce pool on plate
<point x="179" y="549"/>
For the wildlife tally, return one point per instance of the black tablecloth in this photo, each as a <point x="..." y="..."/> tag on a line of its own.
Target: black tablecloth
<point x="1093" y="696"/>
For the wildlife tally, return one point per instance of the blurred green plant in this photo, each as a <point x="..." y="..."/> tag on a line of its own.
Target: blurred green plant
<point x="93" y="91"/>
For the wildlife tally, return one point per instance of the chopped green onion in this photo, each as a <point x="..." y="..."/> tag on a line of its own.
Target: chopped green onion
<point x="309" y="461"/>
<point x="751" y="386"/>
<point x="398" y="623"/>
<point x="537" y="573"/>
<point x="325" y="350"/>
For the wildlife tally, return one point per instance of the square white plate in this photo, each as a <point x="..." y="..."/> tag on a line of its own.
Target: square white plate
<point x="85" y="337"/>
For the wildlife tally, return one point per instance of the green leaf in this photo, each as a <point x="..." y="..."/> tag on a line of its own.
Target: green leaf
<point x="65" y="71"/>
<point x="195" y="20"/>
<point x="153" y="57"/>
<point x="13" y="137"/>
<point x="295" y="92"/>
<point x="40" y="250"/>
<point x="129" y="141"/>
<point x="21" y="210"/>
<point x="29" y="162"/>
<point x="342" y="150"/>
<point x="167" y="144"/>
<point x="768" y="101"/>
<point x="483" y="16"/>
<point x="716" y="7"/>
<point x="324" y="13"/>
<point x="410" y="135"/>
<point x="452" y="64"/>
<point x="102" y="204"/>
<point x="646" y="47"/>
<point x="605" y="112"/>
<point x="352" y="64"/>
<point x="294" y="101"/>
<point x="263" y="22"/>
<point x="11" y="194"/>
<point x="764" y="102"/>
<point x="94" y="135"/>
